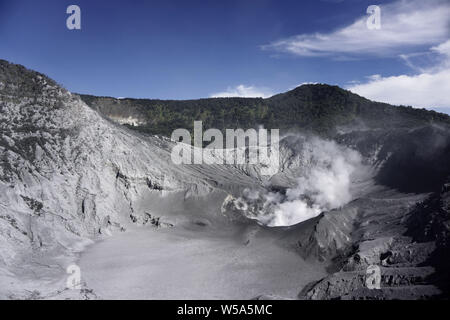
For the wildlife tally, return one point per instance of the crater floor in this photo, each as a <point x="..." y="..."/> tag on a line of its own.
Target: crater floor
<point x="187" y="263"/>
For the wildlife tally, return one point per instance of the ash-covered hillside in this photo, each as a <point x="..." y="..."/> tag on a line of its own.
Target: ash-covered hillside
<point x="67" y="176"/>
<point x="359" y="183"/>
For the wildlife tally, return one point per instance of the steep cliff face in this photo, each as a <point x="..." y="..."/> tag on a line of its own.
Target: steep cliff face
<point x="430" y="222"/>
<point x="405" y="235"/>
<point x="410" y="159"/>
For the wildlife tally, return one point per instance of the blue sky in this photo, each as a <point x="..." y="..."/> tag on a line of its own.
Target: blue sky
<point x="191" y="49"/>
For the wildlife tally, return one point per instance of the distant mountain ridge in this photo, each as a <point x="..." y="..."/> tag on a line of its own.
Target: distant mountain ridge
<point x="318" y="108"/>
<point x="412" y="144"/>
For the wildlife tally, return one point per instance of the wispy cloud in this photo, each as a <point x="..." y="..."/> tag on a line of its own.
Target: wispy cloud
<point x="408" y="28"/>
<point x="429" y="88"/>
<point x="422" y="90"/>
<point x="404" y="25"/>
<point x="244" y="91"/>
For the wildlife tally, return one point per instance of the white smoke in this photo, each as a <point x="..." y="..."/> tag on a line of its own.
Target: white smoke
<point x="327" y="171"/>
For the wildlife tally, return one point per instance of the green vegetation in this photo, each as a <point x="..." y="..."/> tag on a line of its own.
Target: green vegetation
<point x="318" y="108"/>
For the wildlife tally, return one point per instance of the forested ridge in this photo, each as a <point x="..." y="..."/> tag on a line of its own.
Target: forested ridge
<point x="314" y="107"/>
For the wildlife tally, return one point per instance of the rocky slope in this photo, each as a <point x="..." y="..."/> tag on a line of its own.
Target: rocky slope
<point x="68" y="176"/>
<point x="410" y="245"/>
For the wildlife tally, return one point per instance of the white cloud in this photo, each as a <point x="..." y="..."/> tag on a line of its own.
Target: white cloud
<point x="244" y="91"/>
<point x="443" y="48"/>
<point x="429" y="88"/>
<point x="404" y="24"/>
<point x="407" y="27"/>
<point x="302" y="84"/>
<point x="422" y="90"/>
